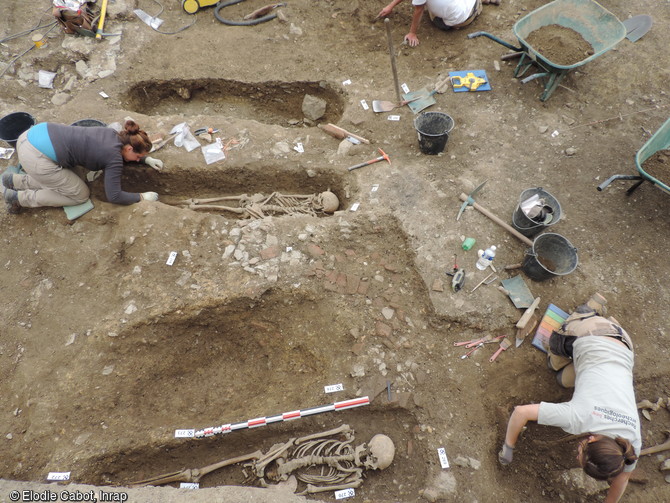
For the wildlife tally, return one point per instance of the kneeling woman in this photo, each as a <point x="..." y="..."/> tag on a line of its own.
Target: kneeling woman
<point x="48" y="152"/>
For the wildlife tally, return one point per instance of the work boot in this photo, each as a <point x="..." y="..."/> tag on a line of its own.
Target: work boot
<point x="8" y="180"/>
<point x="596" y="304"/>
<point x="12" y="201"/>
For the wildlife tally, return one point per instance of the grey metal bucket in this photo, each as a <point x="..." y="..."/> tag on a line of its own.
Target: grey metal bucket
<point x="527" y="226"/>
<point x="552" y="255"/>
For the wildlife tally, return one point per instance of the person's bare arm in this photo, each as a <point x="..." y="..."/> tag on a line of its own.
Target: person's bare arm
<point x="617" y="487"/>
<point x="411" y="37"/>
<point x="521" y="415"/>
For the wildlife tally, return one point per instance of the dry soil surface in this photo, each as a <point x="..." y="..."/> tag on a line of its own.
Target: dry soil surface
<point x="106" y="350"/>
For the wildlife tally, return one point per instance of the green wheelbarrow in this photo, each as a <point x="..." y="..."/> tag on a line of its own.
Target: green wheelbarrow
<point x="660" y="140"/>
<point x="594" y="23"/>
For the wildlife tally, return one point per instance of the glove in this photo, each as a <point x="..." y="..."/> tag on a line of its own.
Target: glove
<point x="149" y="196"/>
<point x="157" y="164"/>
<point x="505" y="455"/>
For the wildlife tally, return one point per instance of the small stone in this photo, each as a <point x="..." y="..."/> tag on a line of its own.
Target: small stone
<point x="9" y="436"/>
<point x="313" y="107"/>
<point x="496" y="65"/>
<point x="570" y="151"/>
<point x="108" y="370"/>
<point x="543" y="129"/>
<point x="388" y="313"/>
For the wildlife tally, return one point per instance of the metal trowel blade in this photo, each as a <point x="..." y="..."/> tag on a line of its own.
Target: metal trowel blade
<point x="637" y="27"/>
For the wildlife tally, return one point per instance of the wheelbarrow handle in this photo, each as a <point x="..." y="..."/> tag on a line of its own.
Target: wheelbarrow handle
<point x="495" y="39"/>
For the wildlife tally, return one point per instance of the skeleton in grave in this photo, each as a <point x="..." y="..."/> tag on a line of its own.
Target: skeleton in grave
<point x="320" y="461"/>
<point x="260" y="206"/>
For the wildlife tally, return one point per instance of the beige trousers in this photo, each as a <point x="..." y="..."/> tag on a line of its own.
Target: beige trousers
<point x="45" y="182"/>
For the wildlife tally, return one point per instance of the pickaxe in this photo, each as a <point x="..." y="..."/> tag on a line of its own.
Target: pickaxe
<point x="469" y="201"/>
<point x="383" y="157"/>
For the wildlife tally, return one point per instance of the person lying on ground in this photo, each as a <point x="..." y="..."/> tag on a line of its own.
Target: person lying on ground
<point x="48" y="152"/>
<point x="445" y="14"/>
<point x="594" y="355"/>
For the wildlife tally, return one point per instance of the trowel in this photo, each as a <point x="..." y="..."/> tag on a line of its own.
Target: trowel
<point x="637" y="27"/>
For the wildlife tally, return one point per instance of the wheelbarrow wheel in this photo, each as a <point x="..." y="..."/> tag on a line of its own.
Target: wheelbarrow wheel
<point x="190" y="6"/>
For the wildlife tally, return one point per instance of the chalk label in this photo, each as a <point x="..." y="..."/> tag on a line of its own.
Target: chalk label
<point x="333" y="388"/>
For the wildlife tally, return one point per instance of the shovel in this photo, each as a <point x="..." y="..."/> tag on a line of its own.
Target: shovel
<point x="637" y="27"/>
<point x="387" y="106"/>
<point x="422" y="99"/>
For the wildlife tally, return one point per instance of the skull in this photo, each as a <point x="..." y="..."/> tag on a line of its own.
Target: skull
<point x="380" y="453"/>
<point x="329" y="201"/>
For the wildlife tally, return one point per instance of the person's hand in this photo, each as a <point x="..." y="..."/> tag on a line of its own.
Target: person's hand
<point x="157" y="164"/>
<point x="506" y="454"/>
<point x="385" y="11"/>
<point x="149" y="196"/>
<point x="412" y="39"/>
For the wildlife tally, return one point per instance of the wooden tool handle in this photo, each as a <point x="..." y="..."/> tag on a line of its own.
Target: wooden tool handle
<point x="529" y="312"/>
<point x="333" y="131"/>
<point x="463" y="197"/>
<point x="343" y="132"/>
<point x="389" y="38"/>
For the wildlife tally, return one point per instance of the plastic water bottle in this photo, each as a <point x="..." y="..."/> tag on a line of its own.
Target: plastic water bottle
<point x="486" y="257"/>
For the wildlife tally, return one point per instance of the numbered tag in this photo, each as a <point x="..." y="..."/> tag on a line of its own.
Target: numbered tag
<point x="345" y="493"/>
<point x="189" y="485"/>
<point x="346" y="82"/>
<point x="58" y="476"/>
<point x="184" y="433"/>
<point x="289" y="249"/>
<point x="354" y="207"/>
<point x="554" y="134"/>
<point x="394" y="117"/>
<point x="299" y="148"/>
<point x="405" y="88"/>
<point x="333" y="388"/>
<point x="171" y="258"/>
<point x="364" y="104"/>
<point x="103" y="94"/>
<point x="375" y="188"/>
<point x="443" y="458"/>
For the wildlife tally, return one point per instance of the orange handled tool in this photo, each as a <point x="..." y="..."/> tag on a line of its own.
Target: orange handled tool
<point x="383" y="157"/>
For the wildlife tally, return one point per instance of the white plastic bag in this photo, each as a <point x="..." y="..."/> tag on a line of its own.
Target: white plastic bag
<point x="213" y="152"/>
<point x="184" y="137"/>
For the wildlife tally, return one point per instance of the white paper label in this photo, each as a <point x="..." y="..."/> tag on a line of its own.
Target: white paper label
<point x="355" y="206"/>
<point x="346" y="82"/>
<point x="333" y="388"/>
<point x="364" y="104"/>
<point x="184" y="433"/>
<point x="375" y="188"/>
<point x="189" y="485"/>
<point x="394" y="117"/>
<point x="299" y="148"/>
<point x="58" y="476"/>
<point x="289" y="249"/>
<point x="103" y="94"/>
<point x="171" y="258"/>
<point x="345" y="493"/>
<point x="443" y="457"/>
<point x="554" y="134"/>
<point x="405" y="88"/>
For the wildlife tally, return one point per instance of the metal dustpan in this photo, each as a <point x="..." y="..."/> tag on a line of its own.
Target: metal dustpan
<point x="422" y="99"/>
<point x="519" y="293"/>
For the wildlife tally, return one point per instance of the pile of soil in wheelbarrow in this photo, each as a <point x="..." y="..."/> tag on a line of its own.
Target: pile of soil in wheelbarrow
<point x="658" y="166"/>
<point x="560" y="45"/>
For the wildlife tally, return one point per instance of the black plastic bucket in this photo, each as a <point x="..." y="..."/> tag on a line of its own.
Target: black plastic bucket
<point x="89" y="123"/>
<point x="13" y="125"/>
<point x="433" y="129"/>
<point x="552" y="255"/>
<point x="526" y="225"/>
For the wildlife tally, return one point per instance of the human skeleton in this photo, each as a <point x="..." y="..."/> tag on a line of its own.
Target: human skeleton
<point x="320" y="461"/>
<point x="259" y="205"/>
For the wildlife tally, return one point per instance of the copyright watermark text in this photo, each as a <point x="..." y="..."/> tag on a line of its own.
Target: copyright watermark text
<point x="67" y="495"/>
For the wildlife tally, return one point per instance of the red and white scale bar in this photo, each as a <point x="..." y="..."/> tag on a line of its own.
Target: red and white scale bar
<point x="286" y="416"/>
